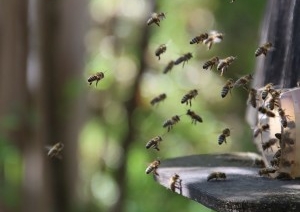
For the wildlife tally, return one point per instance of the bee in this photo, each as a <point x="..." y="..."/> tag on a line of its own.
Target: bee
<point x="184" y="58"/>
<point x="222" y="137"/>
<point x="260" y="130"/>
<point x="287" y="163"/>
<point x="175" y="182"/>
<point x="277" y="154"/>
<point x="187" y="98"/>
<point x="55" y="150"/>
<point x="263" y="49"/>
<point x="156" y="18"/>
<point x="169" y="67"/>
<point x="211" y="63"/>
<point x="194" y="116"/>
<point x="268" y="87"/>
<point x="214" y="37"/>
<point x="227" y="88"/>
<point x="170" y="122"/>
<point x="243" y="81"/>
<point x="286" y="138"/>
<point x="199" y="39"/>
<point x="269" y="144"/>
<point x="96" y="77"/>
<point x="284" y="176"/>
<point x="153" y="167"/>
<point x="283" y="117"/>
<point x="225" y="63"/>
<point x="266" y="111"/>
<point x="158" y="99"/>
<point x="252" y="97"/>
<point x="259" y="162"/>
<point x="160" y="50"/>
<point x="216" y="175"/>
<point x="275" y="162"/>
<point x="266" y="171"/>
<point x="154" y="142"/>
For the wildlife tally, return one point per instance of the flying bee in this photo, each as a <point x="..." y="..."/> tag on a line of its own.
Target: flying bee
<point x="194" y="116"/>
<point x="216" y="175"/>
<point x="153" y="167"/>
<point x="263" y="49"/>
<point x="96" y="77"/>
<point x="283" y="117"/>
<point x="266" y="90"/>
<point x="222" y="137"/>
<point x="243" y="81"/>
<point x="154" y="142"/>
<point x="170" y="122"/>
<point x="55" y="150"/>
<point x="211" y="63"/>
<point x="269" y="144"/>
<point x="225" y="63"/>
<point x="184" y="58"/>
<point x="227" y="88"/>
<point x="266" y="171"/>
<point x="266" y="111"/>
<point x="160" y="50"/>
<point x="158" y="99"/>
<point x="169" y="67"/>
<point x="175" y="182"/>
<point x="252" y="97"/>
<point x="187" y="98"/>
<point x="260" y="130"/>
<point x="214" y="37"/>
<point x="156" y="18"/>
<point x="199" y="39"/>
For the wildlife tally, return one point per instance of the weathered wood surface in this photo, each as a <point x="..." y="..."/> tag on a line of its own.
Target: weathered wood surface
<point x="243" y="190"/>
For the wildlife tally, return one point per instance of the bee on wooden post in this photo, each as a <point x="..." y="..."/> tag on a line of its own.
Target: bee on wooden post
<point x="267" y="145"/>
<point x="158" y="99"/>
<point x="153" y="167"/>
<point x="96" y="77"/>
<point x="195" y="118"/>
<point x="214" y="37"/>
<point x="267" y="171"/>
<point x="225" y="63"/>
<point x="160" y="50"/>
<point x="266" y="111"/>
<point x="222" y="137"/>
<point x="156" y="18"/>
<point x="211" y="63"/>
<point x="55" y="150"/>
<point x="175" y="183"/>
<point x="187" y="98"/>
<point x="170" y="122"/>
<point x="199" y="39"/>
<point x="154" y="142"/>
<point x="252" y="97"/>
<point x="283" y="117"/>
<point x="216" y="175"/>
<point x="260" y="130"/>
<point x="263" y="49"/>
<point x="184" y="58"/>
<point x="227" y="88"/>
<point x="243" y="81"/>
<point x="169" y="67"/>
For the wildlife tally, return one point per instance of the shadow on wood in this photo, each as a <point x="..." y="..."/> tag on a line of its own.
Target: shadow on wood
<point x="243" y="190"/>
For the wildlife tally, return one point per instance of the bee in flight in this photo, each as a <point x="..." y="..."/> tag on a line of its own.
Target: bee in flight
<point x="266" y="171"/>
<point x="214" y="37"/>
<point x="267" y="145"/>
<point x="222" y="137"/>
<point x="175" y="182"/>
<point x="211" y="63"/>
<point x="154" y="142"/>
<point x="263" y="49"/>
<point x="184" y="58"/>
<point x="195" y="118"/>
<point x="266" y="111"/>
<point x="243" y="81"/>
<point x="252" y="97"/>
<point x="199" y="39"/>
<point x="216" y="175"/>
<point x="160" y="50"/>
<point x="227" y="88"/>
<point x="170" y="122"/>
<point x="225" y="63"/>
<point x="156" y="18"/>
<point x="187" y="98"/>
<point x="158" y="99"/>
<point x="169" y="67"/>
<point x="96" y="77"/>
<point x="153" y="167"/>
<point x="55" y="150"/>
